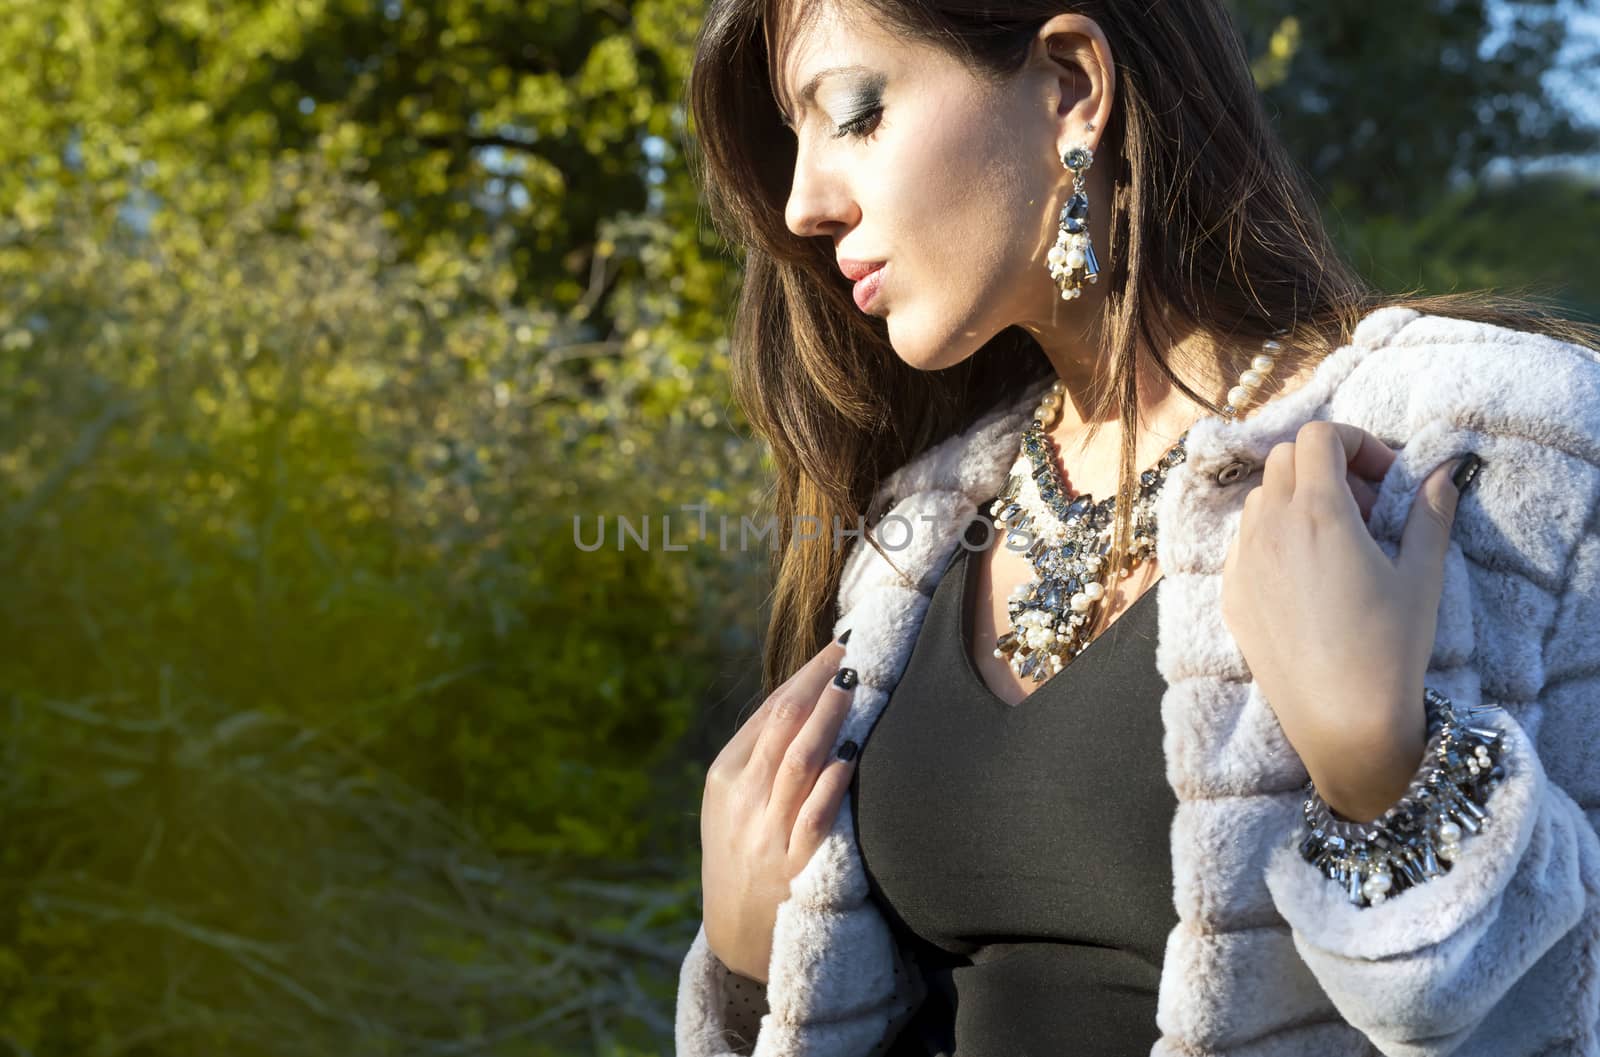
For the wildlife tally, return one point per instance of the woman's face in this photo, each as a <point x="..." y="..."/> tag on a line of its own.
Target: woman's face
<point x="906" y="157"/>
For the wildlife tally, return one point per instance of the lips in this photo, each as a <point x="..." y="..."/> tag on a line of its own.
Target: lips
<point x="867" y="275"/>
<point x="855" y="271"/>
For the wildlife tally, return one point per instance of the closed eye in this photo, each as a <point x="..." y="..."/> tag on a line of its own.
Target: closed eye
<point x="861" y="127"/>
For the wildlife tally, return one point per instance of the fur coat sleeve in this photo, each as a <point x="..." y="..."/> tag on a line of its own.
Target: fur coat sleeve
<point x="1500" y="956"/>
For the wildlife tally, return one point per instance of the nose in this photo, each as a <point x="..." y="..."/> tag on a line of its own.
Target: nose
<point x="819" y="200"/>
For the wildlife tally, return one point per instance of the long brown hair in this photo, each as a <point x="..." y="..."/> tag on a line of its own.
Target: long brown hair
<point x="1213" y="231"/>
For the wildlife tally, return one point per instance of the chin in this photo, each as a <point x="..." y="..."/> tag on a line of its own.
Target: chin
<point x="930" y="352"/>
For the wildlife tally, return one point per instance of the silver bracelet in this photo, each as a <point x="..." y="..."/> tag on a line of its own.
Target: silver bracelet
<point x="1420" y="836"/>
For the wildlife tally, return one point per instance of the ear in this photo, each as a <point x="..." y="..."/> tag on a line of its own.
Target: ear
<point x="1071" y="51"/>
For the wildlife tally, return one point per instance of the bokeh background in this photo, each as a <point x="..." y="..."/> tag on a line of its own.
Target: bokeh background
<point x="320" y="320"/>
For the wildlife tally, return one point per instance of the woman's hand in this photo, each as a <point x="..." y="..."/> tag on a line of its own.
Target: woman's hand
<point x="771" y="796"/>
<point x="1336" y="634"/>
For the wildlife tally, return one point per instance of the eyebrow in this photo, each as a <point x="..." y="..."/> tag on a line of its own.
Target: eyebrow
<point x="809" y="92"/>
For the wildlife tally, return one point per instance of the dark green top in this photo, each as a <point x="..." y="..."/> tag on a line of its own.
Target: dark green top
<point x="1021" y="853"/>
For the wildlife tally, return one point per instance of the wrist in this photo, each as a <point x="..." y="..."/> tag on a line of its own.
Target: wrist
<point x="1416" y="838"/>
<point x="1378" y="780"/>
<point x="744" y="973"/>
<point x="736" y="965"/>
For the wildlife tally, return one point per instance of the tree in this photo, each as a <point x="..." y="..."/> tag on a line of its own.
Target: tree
<point x="1386" y="106"/>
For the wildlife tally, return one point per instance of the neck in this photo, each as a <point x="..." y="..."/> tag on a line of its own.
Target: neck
<point x="1164" y="411"/>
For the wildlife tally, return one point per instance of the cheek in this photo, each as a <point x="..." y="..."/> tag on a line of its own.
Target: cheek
<point x="991" y="200"/>
<point x="969" y="198"/>
<point x="978" y="170"/>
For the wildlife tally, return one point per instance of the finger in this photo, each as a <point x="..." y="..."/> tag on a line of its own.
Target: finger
<point x="810" y="751"/>
<point x="821" y="808"/>
<point x="1365" y="492"/>
<point x="1278" y="472"/>
<point x="739" y="748"/>
<point x="1372" y="457"/>
<point x="1327" y="451"/>
<point x="788" y="709"/>
<point x="1327" y="458"/>
<point x="1426" y="536"/>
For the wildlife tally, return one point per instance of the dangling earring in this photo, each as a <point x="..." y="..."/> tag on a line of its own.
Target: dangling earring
<point x="1071" y="260"/>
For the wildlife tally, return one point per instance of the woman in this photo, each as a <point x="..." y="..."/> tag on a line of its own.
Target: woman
<point x="974" y="241"/>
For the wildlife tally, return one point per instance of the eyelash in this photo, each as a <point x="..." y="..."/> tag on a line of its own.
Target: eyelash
<point x="857" y="126"/>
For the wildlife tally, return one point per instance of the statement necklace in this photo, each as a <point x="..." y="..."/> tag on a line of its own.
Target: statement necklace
<point x="1068" y="537"/>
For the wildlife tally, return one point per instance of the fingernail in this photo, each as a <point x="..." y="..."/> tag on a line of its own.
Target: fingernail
<point x="1466" y="472"/>
<point x="847" y="751"/>
<point x="845" y="637"/>
<point x="845" y="678"/>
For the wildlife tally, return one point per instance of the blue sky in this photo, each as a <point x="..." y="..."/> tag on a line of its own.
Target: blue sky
<point x="1574" y="74"/>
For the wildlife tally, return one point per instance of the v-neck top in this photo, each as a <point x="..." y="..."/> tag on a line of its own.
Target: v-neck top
<point x="1021" y="853"/>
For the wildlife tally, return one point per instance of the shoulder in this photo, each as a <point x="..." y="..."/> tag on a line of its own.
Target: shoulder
<point x="1424" y="370"/>
<point x="1528" y="404"/>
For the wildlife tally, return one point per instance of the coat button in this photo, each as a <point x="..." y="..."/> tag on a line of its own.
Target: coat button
<point x="1232" y="472"/>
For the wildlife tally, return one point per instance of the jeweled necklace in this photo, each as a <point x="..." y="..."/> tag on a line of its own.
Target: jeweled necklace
<point x="1071" y="535"/>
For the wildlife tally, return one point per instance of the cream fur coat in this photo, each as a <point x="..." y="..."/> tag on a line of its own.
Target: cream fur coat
<point x="1501" y="956"/>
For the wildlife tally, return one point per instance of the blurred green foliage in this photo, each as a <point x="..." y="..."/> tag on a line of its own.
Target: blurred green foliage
<point x="294" y="636"/>
<point x="320" y="321"/>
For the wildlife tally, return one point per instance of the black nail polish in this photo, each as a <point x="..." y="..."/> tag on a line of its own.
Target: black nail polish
<point x="845" y="637"/>
<point x="1467" y="472"/>
<point x="845" y="678"/>
<point x="847" y="751"/>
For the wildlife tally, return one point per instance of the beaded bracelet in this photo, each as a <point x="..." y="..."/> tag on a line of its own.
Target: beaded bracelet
<point x="1420" y="836"/>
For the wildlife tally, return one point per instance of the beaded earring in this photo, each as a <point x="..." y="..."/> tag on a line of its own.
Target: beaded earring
<point x="1071" y="260"/>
